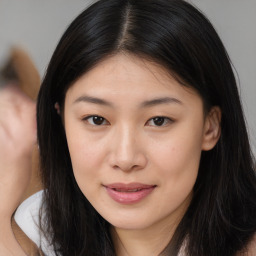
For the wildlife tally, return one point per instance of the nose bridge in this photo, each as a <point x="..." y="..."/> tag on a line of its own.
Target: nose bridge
<point x="127" y="154"/>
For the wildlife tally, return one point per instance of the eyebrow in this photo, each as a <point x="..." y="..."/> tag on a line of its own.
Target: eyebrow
<point x="159" y="101"/>
<point x="93" y="100"/>
<point x="148" y="103"/>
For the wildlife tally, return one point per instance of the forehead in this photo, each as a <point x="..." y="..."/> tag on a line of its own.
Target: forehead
<point x="128" y="76"/>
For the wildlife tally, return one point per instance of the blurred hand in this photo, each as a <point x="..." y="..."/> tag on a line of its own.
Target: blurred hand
<point x="17" y="139"/>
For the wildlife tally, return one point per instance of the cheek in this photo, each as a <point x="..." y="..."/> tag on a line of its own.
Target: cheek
<point x="86" y="158"/>
<point x="177" y="163"/>
<point x="178" y="159"/>
<point x="83" y="155"/>
<point x="82" y="147"/>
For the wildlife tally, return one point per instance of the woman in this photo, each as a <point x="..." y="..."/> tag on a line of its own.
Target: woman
<point x="144" y="149"/>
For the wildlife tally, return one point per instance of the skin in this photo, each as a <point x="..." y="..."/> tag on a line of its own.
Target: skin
<point x="18" y="137"/>
<point x="127" y="145"/>
<point x="131" y="235"/>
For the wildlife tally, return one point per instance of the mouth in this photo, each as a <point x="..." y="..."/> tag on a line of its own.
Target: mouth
<point x="127" y="190"/>
<point x="129" y="193"/>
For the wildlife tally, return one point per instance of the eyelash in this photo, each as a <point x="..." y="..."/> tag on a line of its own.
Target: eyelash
<point x="163" y="120"/>
<point x="87" y="118"/>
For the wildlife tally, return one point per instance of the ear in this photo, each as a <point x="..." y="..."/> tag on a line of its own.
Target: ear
<point x="57" y="107"/>
<point x="212" y="128"/>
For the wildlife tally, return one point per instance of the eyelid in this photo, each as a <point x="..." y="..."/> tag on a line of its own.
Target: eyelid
<point x="168" y="121"/>
<point x="86" y="118"/>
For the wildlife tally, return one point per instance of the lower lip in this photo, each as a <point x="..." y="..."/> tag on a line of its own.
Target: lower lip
<point x="129" y="197"/>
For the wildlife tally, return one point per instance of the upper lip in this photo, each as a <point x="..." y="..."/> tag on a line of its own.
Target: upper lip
<point x="128" y="186"/>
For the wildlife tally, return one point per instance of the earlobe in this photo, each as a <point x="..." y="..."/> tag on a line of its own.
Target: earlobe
<point x="57" y="107"/>
<point x="59" y="111"/>
<point x="212" y="129"/>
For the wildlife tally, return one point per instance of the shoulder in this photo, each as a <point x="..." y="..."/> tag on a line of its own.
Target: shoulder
<point x="27" y="216"/>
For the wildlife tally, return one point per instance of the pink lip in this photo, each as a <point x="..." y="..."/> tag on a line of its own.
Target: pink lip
<point x="129" y="193"/>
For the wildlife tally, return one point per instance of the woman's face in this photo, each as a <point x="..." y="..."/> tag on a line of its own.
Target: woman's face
<point x="135" y="137"/>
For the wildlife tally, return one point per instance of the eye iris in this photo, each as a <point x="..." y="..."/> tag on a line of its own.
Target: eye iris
<point x="158" y="121"/>
<point x="98" y="120"/>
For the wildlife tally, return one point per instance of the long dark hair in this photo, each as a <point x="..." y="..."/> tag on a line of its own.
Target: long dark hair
<point x="221" y="217"/>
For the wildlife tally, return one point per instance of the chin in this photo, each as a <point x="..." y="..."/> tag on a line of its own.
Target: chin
<point x="130" y="223"/>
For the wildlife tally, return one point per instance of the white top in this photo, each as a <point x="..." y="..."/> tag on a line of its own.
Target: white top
<point x="27" y="217"/>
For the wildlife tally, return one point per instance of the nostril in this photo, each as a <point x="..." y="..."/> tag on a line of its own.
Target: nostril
<point x="127" y="168"/>
<point x="135" y="167"/>
<point x="116" y="167"/>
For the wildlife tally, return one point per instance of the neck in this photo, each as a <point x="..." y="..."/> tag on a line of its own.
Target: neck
<point x="150" y="241"/>
<point x="140" y="243"/>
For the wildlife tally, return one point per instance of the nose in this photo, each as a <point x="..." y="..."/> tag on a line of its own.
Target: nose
<point x="126" y="152"/>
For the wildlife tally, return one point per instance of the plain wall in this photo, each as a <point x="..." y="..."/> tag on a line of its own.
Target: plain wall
<point x="37" y="26"/>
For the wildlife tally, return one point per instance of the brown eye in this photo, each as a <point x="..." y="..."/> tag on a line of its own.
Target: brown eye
<point x="96" y="120"/>
<point x="159" y="121"/>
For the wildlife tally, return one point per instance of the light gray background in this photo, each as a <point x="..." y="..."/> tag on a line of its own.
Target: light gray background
<point x="37" y="26"/>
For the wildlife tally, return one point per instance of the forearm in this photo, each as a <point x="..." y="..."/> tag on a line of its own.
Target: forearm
<point x="8" y="244"/>
<point x="18" y="137"/>
<point x="13" y="183"/>
<point x="11" y="190"/>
